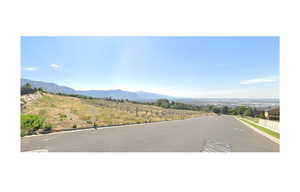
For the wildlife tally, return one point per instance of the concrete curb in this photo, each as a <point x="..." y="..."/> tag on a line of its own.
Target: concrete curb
<point x="260" y="132"/>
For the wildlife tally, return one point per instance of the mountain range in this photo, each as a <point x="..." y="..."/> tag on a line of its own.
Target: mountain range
<point x="116" y="93"/>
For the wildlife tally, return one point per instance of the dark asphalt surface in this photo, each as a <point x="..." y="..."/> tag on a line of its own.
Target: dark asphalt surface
<point x="214" y="133"/>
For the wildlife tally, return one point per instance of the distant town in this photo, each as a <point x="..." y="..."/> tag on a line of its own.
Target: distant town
<point x="255" y="103"/>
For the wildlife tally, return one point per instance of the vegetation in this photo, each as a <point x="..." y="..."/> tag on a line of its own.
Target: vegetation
<point x="248" y="112"/>
<point x="265" y="130"/>
<point x="225" y="110"/>
<point x="238" y="110"/>
<point x="41" y="90"/>
<point x="30" y="123"/>
<point x="76" y="95"/>
<point x="27" y="85"/>
<point x="27" y="89"/>
<point x="72" y="111"/>
<point x="254" y="119"/>
<point x="165" y="103"/>
<point x="262" y="115"/>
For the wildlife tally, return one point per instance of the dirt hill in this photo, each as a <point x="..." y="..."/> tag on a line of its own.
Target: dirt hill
<point x="64" y="112"/>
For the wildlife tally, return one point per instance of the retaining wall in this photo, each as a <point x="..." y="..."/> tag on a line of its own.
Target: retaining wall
<point x="273" y="125"/>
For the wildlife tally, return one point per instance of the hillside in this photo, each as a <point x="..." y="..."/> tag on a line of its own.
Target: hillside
<point x="64" y="112"/>
<point x="117" y="93"/>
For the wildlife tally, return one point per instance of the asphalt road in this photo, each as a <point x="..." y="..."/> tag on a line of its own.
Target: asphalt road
<point x="206" y="134"/>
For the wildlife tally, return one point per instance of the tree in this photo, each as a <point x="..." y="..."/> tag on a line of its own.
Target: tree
<point x="262" y="115"/>
<point x="163" y="103"/>
<point x="248" y="112"/>
<point x="28" y="85"/>
<point x="240" y="110"/>
<point x="40" y="89"/>
<point x="225" y="110"/>
<point x="216" y="110"/>
<point x="210" y="108"/>
<point x="233" y="111"/>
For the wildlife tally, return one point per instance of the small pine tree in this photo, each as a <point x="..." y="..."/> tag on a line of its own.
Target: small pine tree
<point x="28" y="85"/>
<point x="262" y="115"/>
<point x="248" y="112"/>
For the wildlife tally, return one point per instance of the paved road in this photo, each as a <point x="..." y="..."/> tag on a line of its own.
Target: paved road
<point x="215" y="133"/>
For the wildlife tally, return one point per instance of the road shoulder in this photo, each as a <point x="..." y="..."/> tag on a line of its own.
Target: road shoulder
<point x="260" y="132"/>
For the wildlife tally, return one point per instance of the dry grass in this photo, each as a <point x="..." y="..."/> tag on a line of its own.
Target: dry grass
<point x="65" y="112"/>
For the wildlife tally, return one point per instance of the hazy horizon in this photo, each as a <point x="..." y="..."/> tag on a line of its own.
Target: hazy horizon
<point x="154" y="92"/>
<point x="185" y="67"/>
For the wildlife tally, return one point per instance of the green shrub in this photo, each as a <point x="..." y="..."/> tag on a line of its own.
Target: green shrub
<point x="74" y="126"/>
<point x="30" y="123"/>
<point x="248" y="112"/>
<point x="262" y="115"/>
<point x="27" y="85"/>
<point x="41" y="90"/>
<point x="89" y="122"/>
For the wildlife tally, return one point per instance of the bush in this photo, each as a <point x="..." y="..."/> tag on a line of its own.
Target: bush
<point x="27" y="85"/>
<point x="30" y="123"/>
<point x="248" y="112"/>
<point x="162" y="103"/>
<point x="262" y="115"/>
<point x="74" y="126"/>
<point x="216" y="110"/>
<point x="41" y="90"/>
<point x="225" y="110"/>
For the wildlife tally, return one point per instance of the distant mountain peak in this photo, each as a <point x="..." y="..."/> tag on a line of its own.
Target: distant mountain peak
<point x="114" y="93"/>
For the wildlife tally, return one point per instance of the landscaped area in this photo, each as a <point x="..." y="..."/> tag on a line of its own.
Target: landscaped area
<point x="265" y="130"/>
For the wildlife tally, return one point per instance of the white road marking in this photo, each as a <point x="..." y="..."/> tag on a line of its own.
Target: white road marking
<point x="214" y="146"/>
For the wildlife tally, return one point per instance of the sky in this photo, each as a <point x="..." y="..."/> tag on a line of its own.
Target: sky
<point x="194" y="67"/>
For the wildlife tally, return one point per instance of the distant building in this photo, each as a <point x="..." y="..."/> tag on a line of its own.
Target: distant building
<point x="273" y="114"/>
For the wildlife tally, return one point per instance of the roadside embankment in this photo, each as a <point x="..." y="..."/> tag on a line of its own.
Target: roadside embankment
<point x="274" y="136"/>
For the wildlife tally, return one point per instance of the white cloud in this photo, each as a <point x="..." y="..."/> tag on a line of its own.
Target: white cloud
<point x="259" y="80"/>
<point x="31" y="69"/>
<point x="55" y="66"/>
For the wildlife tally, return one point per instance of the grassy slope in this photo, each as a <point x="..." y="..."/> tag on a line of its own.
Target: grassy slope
<point x="65" y="111"/>
<point x="268" y="131"/>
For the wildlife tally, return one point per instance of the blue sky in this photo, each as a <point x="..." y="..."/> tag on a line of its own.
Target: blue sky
<point x="198" y="67"/>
